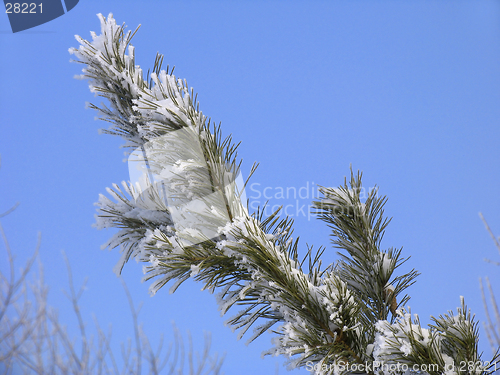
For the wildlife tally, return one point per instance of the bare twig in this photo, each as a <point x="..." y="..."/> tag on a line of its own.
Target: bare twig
<point x="492" y="324"/>
<point x="495" y="240"/>
<point x="33" y="339"/>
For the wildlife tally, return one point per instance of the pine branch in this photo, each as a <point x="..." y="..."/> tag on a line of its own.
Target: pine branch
<point x="184" y="218"/>
<point x="358" y="228"/>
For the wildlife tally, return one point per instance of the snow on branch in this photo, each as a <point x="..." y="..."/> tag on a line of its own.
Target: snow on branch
<point x="183" y="215"/>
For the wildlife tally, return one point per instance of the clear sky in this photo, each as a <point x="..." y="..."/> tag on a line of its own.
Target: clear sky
<point x="408" y="92"/>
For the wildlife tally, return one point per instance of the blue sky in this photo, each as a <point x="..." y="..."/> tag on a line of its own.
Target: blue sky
<point x="407" y="92"/>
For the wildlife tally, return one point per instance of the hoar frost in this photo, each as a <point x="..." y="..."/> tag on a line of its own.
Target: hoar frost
<point x="182" y="216"/>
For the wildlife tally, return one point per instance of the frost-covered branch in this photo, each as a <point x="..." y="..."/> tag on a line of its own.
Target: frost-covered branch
<point x="358" y="228"/>
<point x="183" y="214"/>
